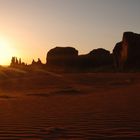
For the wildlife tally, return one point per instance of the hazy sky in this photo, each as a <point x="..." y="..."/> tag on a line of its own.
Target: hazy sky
<point x="32" y="27"/>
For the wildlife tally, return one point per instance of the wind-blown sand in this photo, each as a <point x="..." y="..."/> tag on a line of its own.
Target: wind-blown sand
<point x="77" y="106"/>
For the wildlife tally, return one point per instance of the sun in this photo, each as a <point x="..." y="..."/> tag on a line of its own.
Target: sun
<point x="6" y="51"/>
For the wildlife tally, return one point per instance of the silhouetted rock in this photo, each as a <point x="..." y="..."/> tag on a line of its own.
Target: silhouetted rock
<point x="37" y="63"/>
<point x="62" y="56"/>
<point x="131" y="49"/>
<point x="117" y="55"/>
<point x="14" y="62"/>
<point x="33" y="62"/>
<point x="128" y="51"/>
<point x="20" y="61"/>
<point x="99" y="52"/>
<point x="17" y="63"/>
<point x="100" y="57"/>
<point x="67" y="57"/>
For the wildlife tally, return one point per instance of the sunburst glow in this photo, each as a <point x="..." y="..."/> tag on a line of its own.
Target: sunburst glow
<point x="6" y="51"/>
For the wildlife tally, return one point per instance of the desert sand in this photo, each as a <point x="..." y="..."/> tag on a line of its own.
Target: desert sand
<point x="75" y="106"/>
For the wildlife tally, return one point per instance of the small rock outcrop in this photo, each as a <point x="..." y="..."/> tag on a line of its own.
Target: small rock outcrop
<point x="15" y="62"/>
<point x="37" y="63"/>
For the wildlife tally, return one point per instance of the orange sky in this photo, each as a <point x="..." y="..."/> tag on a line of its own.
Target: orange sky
<point x="30" y="28"/>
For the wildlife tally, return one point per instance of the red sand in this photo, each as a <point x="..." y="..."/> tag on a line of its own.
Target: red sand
<point x="70" y="106"/>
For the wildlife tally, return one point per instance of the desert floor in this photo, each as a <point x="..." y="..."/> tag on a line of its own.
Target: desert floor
<point x="73" y="106"/>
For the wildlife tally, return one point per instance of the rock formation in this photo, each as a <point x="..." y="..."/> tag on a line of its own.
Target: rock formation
<point x="127" y="52"/>
<point x="62" y="56"/>
<point x="68" y="57"/>
<point x="100" y="57"/>
<point x="117" y="55"/>
<point x="15" y="62"/>
<point x="37" y="63"/>
<point x="96" y="58"/>
<point x="99" y="52"/>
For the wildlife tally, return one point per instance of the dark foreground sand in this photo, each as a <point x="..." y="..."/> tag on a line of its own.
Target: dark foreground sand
<point x="44" y="105"/>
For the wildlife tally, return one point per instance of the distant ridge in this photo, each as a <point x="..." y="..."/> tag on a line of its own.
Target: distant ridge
<point x="126" y="55"/>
